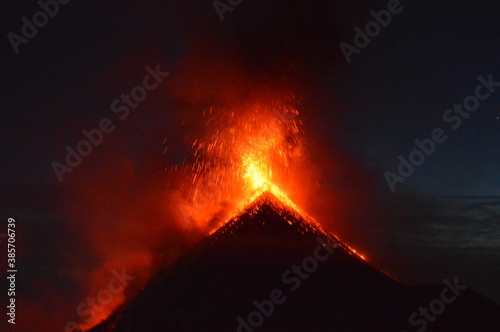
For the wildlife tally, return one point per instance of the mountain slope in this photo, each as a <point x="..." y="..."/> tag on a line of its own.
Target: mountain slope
<point x="271" y="269"/>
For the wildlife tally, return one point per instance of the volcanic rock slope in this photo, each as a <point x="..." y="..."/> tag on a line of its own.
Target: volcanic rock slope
<point x="251" y="258"/>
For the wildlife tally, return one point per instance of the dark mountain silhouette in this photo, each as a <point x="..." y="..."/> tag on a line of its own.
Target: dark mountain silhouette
<point x="249" y="264"/>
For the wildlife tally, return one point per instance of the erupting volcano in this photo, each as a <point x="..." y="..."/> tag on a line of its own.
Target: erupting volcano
<point x="270" y="266"/>
<point x="246" y="152"/>
<point x="272" y="269"/>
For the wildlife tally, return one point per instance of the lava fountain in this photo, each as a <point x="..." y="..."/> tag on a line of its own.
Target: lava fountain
<point x="247" y="157"/>
<point x="246" y="152"/>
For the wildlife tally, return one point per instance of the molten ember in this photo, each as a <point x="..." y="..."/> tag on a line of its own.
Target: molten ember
<point x="246" y="153"/>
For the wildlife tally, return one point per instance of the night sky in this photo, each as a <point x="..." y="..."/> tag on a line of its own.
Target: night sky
<point x="437" y="224"/>
<point x="394" y="91"/>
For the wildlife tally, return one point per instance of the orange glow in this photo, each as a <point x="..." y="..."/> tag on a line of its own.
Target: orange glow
<point x="246" y="152"/>
<point x="243" y="154"/>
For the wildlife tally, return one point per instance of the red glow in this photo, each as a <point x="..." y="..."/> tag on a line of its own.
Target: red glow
<point x="246" y="152"/>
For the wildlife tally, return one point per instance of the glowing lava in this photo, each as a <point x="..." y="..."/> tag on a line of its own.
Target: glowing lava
<point x="243" y="155"/>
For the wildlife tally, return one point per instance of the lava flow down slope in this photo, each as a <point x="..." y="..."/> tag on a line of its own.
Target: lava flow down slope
<point x="271" y="268"/>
